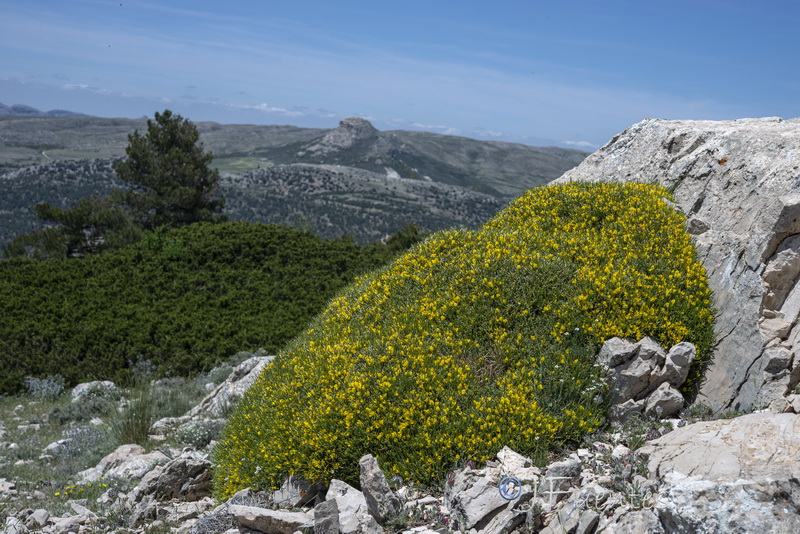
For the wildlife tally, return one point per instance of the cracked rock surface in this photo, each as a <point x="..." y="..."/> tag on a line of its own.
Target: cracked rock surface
<point x="737" y="183"/>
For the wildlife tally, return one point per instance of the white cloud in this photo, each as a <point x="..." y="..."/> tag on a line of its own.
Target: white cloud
<point x="101" y="91"/>
<point x="80" y="86"/>
<point x="483" y="132"/>
<point x="266" y="108"/>
<point x="580" y="144"/>
<point x="447" y="130"/>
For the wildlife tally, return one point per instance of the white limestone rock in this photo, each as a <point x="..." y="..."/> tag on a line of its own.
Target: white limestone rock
<point x="794" y="402"/>
<point x="12" y="525"/>
<point x="644" y="377"/>
<point x="326" y="517"/>
<point x="559" y="480"/>
<point x="740" y="179"/>
<point x="382" y="501"/>
<point x="631" y="379"/>
<point x="694" y="505"/>
<point x="473" y="496"/>
<point x="127" y="462"/>
<point x="187" y="477"/>
<point x="756" y="445"/>
<point x="664" y="402"/>
<point x="519" y="466"/>
<point x="648" y="349"/>
<point x="624" y="411"/>
<point x="729" y="475"/>
<point x="615" y="352"/>
<point x="219" y="402"/>
<point x="99" y="388"/>
<point x="38" y="519"/>
<point x="638" y="522"/>
<point x="354" y="516"/>
<point x="679" y="361"/>
<point x="58" y="446"/>
<point x="271" y="521"/>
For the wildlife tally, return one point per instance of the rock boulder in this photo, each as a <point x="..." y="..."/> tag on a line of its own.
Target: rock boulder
<point x="382" y="501"/>
<point x="98" y="388"/>
<point x="127" y="462"/>
<point x="644" y="377"/>
<point x="216" y="405"/>
<point x="349" y="131"/>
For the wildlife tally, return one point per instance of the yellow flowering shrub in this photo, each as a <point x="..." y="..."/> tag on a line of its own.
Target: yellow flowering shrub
<point x="474" y="340"/>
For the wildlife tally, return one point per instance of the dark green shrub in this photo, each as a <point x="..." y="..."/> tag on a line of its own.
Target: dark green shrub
<point x="183" y="300"/>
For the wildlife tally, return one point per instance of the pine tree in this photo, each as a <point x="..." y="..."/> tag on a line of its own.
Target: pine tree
<point x="170" y="176"/>
<point x="171" y="184"/>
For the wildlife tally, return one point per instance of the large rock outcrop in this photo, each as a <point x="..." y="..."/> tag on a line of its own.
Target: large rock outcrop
<point x="738" y="182"/>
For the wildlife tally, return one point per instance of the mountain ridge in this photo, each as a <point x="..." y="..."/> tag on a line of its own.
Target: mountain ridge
<point x="352" y="179"/>
<point x="21" y="110"/>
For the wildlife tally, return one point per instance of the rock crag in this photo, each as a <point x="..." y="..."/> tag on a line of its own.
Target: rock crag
<point x="738" y="182"/>
<point x="349" y="131"/>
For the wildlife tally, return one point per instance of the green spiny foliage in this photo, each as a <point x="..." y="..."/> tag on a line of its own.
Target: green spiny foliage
<point x="474" y="340"/>
<point x="184" y="299"/>
<point x="93" y="225"/>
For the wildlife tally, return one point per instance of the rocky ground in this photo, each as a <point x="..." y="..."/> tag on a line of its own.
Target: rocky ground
<point x="643" y="474"/>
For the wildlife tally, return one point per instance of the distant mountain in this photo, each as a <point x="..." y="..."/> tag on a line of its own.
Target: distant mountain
<point x="352" y="179"/>
<point x="501" y="169"/>
<point x="330" y="200"/>
<point x="19" y="110"/>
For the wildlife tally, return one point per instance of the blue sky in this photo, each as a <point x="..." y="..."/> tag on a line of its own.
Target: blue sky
<point x="571" y="73"/>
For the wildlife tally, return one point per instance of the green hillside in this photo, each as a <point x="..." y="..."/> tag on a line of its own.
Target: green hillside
<point x="348" y="180"/>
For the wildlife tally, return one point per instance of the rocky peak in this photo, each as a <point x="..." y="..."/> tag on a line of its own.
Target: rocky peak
<point x="349" y="131"/>
<point x="356" y="127"/>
